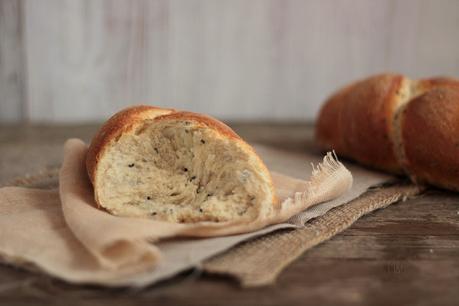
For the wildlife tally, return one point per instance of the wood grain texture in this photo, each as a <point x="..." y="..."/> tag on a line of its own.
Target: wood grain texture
<point x="261" y="59"/>
<point x="259" y="262"/>
<point x="12" y="87"/>
<point x="405" y="254"/>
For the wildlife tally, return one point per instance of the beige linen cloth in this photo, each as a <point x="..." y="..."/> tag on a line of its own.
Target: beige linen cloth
<point x="62" y="233"/>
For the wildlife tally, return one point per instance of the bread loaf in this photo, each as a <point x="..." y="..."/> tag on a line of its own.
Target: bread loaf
<point x="177" y="166"/>
<point x="398" y="125"/>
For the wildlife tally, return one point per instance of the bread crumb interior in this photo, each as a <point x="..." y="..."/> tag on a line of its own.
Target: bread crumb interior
<point x="179" y="171"/>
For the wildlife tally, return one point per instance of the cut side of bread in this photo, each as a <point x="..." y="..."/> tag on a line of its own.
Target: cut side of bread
<point x="178" y="167"/>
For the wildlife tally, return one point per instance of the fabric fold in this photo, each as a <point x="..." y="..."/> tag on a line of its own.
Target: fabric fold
<point x="92" y="246"/>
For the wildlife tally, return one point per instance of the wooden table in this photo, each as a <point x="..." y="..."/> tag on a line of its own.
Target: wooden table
<point x="406" y="254"/>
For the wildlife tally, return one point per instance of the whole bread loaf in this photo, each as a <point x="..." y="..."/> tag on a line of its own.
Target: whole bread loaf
<point x="177" y="166"/>
<point x="395" y="124"/>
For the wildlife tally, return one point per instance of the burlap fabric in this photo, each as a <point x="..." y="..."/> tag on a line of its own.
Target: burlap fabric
<point x="260" y="260"/>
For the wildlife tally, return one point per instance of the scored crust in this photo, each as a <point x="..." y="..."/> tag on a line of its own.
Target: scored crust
<point x="429" y="126"/>
<point x="356" y="122"/>
<point x="133" y="117"/>
<point x="417" y="89"/>
<point x="391" y="123"/>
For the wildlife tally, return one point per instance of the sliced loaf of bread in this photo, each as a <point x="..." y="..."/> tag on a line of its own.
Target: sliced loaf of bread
<point x="177" y="166"/>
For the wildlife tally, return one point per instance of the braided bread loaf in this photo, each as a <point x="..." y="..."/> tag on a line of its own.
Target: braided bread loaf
<point x="398" y="125"/>
<point x="177" y="166"/>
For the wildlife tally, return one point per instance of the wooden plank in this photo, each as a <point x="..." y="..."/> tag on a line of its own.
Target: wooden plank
<point x="74" y="49"/>
<point x="421" y="33"/>
<point x="12" y="90"/>
<point x="233" y="59"/>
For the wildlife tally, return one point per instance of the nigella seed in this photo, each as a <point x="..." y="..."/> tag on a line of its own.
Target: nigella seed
<point x="131" y="165"/>
<point x="148" y="198"/>
<point x="200" y="210"/>
<point x="203" y="141"/>
<point x="185" y="169"/>
<point x="193" y="177"/>
<point x="154" y="213"/>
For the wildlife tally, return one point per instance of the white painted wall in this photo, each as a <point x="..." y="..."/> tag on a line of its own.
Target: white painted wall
<point x="236" y="59"/>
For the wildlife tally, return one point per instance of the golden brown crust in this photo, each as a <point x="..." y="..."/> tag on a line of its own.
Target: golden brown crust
<point x="357" y="121"/>
<point x="397" y="125"/>
<point x="131" y="117"/>
<point x="202" y="119"/>
<point x="430" y="130"/>
<point x="431" y="83"/>
<point x="329" y="128"/>
<point x="115" y="126"/>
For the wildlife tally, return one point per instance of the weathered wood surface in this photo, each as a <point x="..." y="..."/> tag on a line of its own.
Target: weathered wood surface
<point x="12" y="62"/>
<point x="406" y="254"/>
<point x="275" y="59"/>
